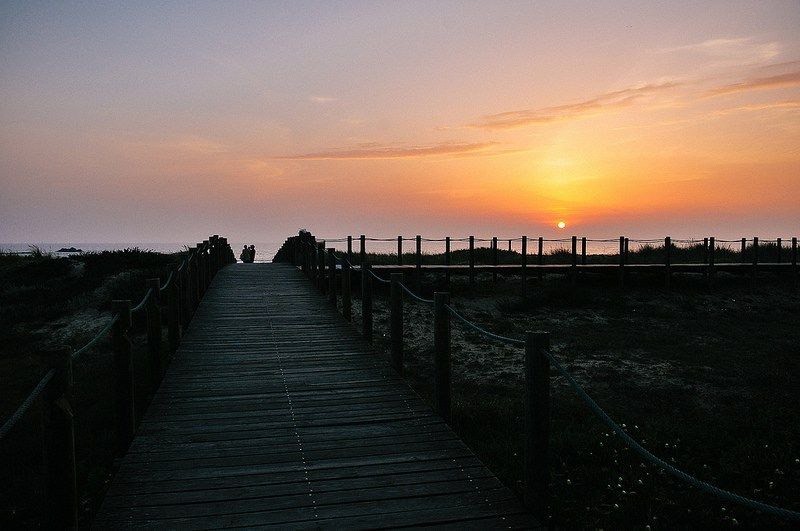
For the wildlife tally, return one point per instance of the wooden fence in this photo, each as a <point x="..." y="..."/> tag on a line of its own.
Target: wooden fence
<point x="175" y="301"/>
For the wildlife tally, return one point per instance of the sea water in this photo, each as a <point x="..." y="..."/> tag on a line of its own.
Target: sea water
<point x="265" y="251"/>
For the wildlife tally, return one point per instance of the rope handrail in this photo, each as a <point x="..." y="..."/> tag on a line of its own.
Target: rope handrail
<point x="167" y="284"/>
<point x="414" y="295"/>
<point x="26" y="404"/>
<point x="379" y="279"/>
<point x="481" y="331"/>
<point x="96" y="339"/>
<point x="143" y="303"/>
<point x="631" y="442"/>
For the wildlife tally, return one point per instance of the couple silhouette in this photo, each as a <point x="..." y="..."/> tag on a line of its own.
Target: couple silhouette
<point x="248" y="254"/>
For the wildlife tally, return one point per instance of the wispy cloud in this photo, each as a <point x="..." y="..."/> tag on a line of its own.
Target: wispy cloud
<point x="790" y="79"/>
<point x="602" y="103"/>
<point x="321" y="99"/>
<point x="735" y="50"/>
<point x="789" y="105"/>
<point x="375" y="151"/>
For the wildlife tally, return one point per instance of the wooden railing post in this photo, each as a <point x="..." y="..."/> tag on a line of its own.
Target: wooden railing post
<point x="447" y="261"/>
<point x="362" y="249"/>
<point x="441" y="355"/>
<point x="207" y="266"/>
<point x="332" y="276"/>
<point x="347" y="305"/>
<point x="755" y="258"/>
<point x="621" y="273"/>
<point x="495" y="258"/>
<point x="350" y="249"/>
<point x="366" y="301"/>
<point x="667" y="261"/>
<point x="195" y="287"/>
<point x="744" y="250"/>
<point x="574" y="264"/>
<point x="537" y="420"/>
<point x="396" y="322"/>
<point x="472" y="262"/>
<point x="186" y="293"/>
<point x="59" y="442"/>
<point x="123" y="376"/>
<point x="418" y="264"/>
<point x="174" y="312"/>
<point x="540" y="257"/>
<point x="711" y="259"/>
<point x="321" y="277"/>
<point x="705" y="251"/>
<point x="524" y="273"/>
<point x="399" y="250"/>
<point x="154" y="331"/>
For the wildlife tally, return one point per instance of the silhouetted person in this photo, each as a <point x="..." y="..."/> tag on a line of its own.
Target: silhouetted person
<point x="244" y="256"/>
<point x="252" y="253"/>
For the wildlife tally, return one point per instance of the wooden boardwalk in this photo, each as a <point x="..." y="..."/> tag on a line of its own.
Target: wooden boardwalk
<point x="275" y="413"/>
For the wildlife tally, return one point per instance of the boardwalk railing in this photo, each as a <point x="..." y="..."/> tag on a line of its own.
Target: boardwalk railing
<point x="176" y="299"/>
<point x="320" y="265"/>
<point x="566" y="255"/>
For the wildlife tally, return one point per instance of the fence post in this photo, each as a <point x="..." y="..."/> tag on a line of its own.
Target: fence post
<point x="441" y="356"/>
<point x="347" y="305"/>
<point x="537" y="419"/>
<point x="418" y="265"/>
<point x="744" y="249"/>
<point x="447" y="261"/>
<point x="524" y="273"/>
<point x="153" y="308"/>
<point x="574" y="264"/>
<point x="399" y="250"/>
<point x="621" y="273"/>
<point x="711" y="248"/>
<point x="541" y="257"/>
<point x="755" y="257"/>
<point x="667" y="261"/>
<point x="59" y="442"/>
<point x="472" y="262"/>
<point x="396" y="322"/>
<point x="495" y="258"/>
<point x="174" y="312"/>
<point x="123" y="376"/>
<point x="366" y="301"/>
<point x="362" y="251"/>
<point x="332" y="276"/>
<point x="350" y="249"/>
<point x="321" y="279"/>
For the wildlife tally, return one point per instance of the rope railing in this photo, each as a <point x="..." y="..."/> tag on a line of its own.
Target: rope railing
<point x="26" y="404"/>
<point x="630" y="441"/>
<point x="96" y="339"/>
<point x="143" y="303"/>
<point x="536" y="348"/>
<point x="414" y="296"/>
<point x="179" y="294"/>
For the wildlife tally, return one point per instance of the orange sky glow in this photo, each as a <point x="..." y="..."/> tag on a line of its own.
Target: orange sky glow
<point x="137" y="122"/>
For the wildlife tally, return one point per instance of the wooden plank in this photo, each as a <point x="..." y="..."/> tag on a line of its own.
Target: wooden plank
<point x="276" y="413"/>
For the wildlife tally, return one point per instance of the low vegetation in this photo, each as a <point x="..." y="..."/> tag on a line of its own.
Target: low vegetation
<point x="45" y="302"/>
<point x="705" y="378"/>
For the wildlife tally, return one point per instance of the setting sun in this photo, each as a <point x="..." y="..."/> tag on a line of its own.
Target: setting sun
<point x="561" y="225"/>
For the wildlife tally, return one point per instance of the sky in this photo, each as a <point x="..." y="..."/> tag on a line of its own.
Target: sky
<point x="166" y="122"/>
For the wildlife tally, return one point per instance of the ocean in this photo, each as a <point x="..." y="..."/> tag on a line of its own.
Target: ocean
<point x="265" y="251"/>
